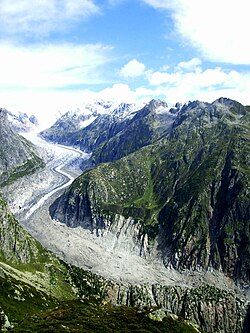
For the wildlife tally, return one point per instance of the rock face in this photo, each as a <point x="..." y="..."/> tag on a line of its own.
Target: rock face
<point x="186" y="198"/>
<point x="17" y="155"/>
<point x="210" y="308"/>
<point x="146" y="127"/>
<point x="32" y="280"/>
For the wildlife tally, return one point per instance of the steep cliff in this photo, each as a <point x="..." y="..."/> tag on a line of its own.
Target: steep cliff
<point x="16" y="246"/>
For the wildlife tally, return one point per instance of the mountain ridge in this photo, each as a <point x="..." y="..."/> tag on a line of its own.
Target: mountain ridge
<point x="152" y="182"/>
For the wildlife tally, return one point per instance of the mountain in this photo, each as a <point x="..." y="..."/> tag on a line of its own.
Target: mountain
<point x="70" y="127"/>
<point x="183" y="197"/>
<point x="17" y="156"/>
<point x="21" y="122"/>
<point x="188" y="190"/>
<point x="116" y="132"/>
<point x="150" y="123"/>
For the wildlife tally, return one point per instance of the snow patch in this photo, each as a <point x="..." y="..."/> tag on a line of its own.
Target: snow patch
<point x="87" y="122"/>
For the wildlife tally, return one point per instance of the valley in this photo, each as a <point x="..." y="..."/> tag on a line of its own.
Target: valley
<point x="112" y="257"/>
<point x="147" y="222"/>
<point x="58" y="174"/>
<point x="79" y="246"/>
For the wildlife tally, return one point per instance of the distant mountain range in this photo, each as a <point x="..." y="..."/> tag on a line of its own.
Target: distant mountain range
<point x="107" y="130"/>
<point x="21" y="122"/>
<point x="71" y="126"/>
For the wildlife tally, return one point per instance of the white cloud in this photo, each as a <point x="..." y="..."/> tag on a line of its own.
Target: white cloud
<point x="51" y="66"/>
<point x="46" y="105"/>
<point x="219" y="29"/>
<point x="118" y="92"/>
<point x="43" y="79"/>
<point x="158" y="78"/>
<point x="182" y="86"/>
<point x="204" y="85"/>
<point x="189" y="81"/>
<point x="42" y="16"/>
<point x="133" y="69"/>
<point x="189" y="65"/>
<point x="159" y="4"/>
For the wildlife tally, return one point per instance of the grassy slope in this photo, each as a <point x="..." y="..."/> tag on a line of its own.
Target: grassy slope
<point x="89" y="316"/>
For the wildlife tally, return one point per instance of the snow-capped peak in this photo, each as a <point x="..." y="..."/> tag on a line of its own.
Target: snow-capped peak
<point x="21" y="122"/>
<point x="84" y="115"/>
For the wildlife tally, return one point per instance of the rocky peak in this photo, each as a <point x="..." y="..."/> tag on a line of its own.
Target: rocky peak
<point x="157" y="105"/>
<point x="33" y="119"/>
<point x="224" y="101"/>
<point x="228" y="106"/>
<point x="21" y="122"/>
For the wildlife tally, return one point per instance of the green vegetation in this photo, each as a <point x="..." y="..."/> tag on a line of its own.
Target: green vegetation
<point x="29" y="167"/>
<point x="91" y="316"/>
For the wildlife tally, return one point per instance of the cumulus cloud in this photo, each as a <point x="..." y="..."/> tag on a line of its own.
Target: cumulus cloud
<point x="188" y="80"/>
<point x="196" y="78"/>
<point x="203" y="84"/>
<point x="51" y="66"/>
<point x="190" y="64"/>
<point x="179" y="85"/>
<point x="42" y="17"/>
<point x="219" y="29"/>
<point x="133" y="69"/>
<point x="118" y="92"/>
<point x="158" y="78"/>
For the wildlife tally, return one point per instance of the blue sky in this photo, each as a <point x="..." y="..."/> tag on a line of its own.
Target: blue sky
<point x="56" y="54"/>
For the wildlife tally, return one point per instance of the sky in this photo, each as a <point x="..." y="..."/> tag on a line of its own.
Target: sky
<point x="57" y="54"/>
